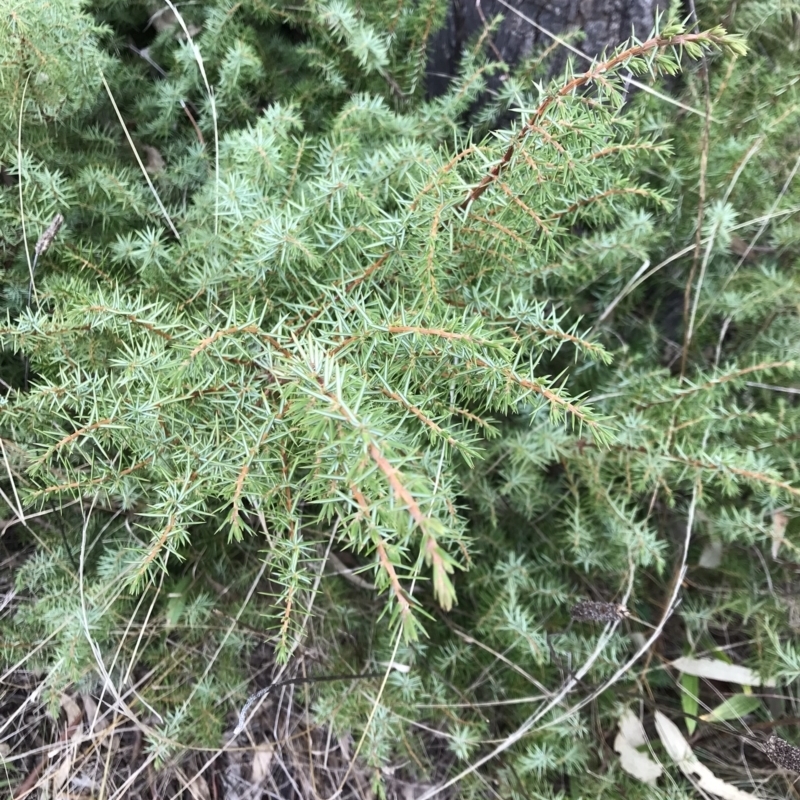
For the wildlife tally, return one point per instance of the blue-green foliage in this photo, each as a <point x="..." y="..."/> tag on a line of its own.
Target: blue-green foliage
<point x="327" y="312"/>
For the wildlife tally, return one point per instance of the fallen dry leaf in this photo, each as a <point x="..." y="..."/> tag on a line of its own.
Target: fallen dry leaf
<point x="262" y="759"/>
<point x="93" y="720"/>
<point x="715" y="670"/>
<point x="72" y="709"/>
<point x="681" y="753"/>
<point x="197" y="787"/>
<point x="711" y="557"/>
<point x="61" y="775"/>
<point x="631" y="735"/>
<point x="165" y="18"/>
<point x="72" y="733"/>
<point x="153" y="160"/>
<point x="344" y="745"/>
<point x="396" y="665"/>
<point x="779" y="523"/>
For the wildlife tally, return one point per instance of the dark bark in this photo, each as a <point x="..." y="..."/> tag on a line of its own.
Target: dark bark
<point x="605" y="24"/>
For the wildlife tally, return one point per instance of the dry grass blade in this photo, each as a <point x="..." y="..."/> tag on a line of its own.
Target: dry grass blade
<point x="681" y="753"/>
<point x="552" y="702"/>
<point x="20" y="181"/>
<point x="645" y="272"/>
<point x="765" y="220"/>
<point x="201" y="66"/>
<point x="139" y="161"/>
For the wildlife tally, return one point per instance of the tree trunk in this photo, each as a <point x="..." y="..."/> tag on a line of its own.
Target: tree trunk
<point x="605" y="24"/>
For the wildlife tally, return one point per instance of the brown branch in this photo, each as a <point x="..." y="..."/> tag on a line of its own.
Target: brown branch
<point x="567" y="337"/>
<point x="51" y="332"/>
<point x="72" y="251"/>
<point x="133" y="319"/>
<point x="400" y="491"/>
<point x="156" y="548"/>
<point x="758" y="477"/>
<point x="421" y="417"/>
<point x="386" y="564"/>
<point x="466" y="414"/>
<point x="209" y="340"/>
<point x="74" y="435"/>
<point x="64" y="487"/>
<point x="543" y="391"/>
<point x="373" y="267"/>
<point x="504" y="230"/>
<point x="527" y="209"/>
<point x="601" y="196"/>
<point x="388" y="567"/>
<point x="429" y="266"/>
<point x="237" y="492"/>
<point x="197" y="130"/>
<point x="251" y="329"/>
<point x="402" y="329"/>
<point x="593" y="73"/>
<point x="621" y="148"/>
<point x="442" y="171"/>
<point x="440" y="332"/>
<point x="507" y="322"/>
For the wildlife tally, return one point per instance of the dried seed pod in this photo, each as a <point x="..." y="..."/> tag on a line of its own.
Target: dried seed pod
<point x="785" y="755"/>
<point x="596" y="611"/>
<point x="46" y="239"/>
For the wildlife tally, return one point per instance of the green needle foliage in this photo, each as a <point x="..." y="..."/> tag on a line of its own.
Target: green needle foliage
<point x="296" y="306"/>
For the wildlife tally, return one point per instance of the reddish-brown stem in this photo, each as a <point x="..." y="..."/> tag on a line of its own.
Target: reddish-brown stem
<point x="593" y="73"/>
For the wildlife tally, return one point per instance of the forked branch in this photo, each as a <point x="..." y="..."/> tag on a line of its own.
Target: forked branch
<point x="715" y="38"/>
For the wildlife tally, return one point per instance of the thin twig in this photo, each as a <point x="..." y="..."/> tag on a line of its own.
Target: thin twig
<point x="688" y="320"/>
<point x="556" y="699"/>
<point x="644" y="273"/>
<point x="572" y="682"/>
<point x="253" y="699"/>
